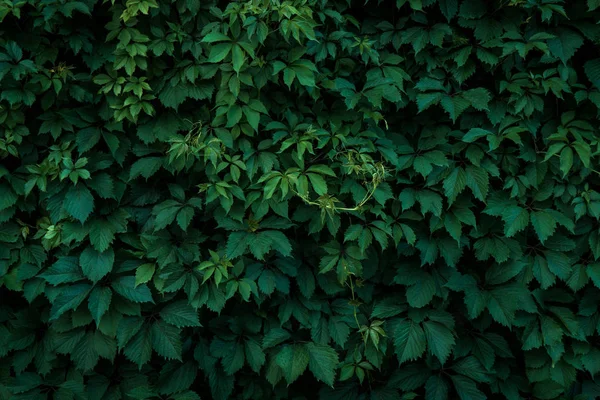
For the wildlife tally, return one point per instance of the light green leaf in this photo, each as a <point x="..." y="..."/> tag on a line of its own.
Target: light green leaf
<point x="144" y="273"/>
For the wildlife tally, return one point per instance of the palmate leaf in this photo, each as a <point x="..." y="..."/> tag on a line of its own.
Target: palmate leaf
<point x="309" y="134"/>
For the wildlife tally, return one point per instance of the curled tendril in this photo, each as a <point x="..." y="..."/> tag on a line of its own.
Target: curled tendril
<point x="328" y="204"/>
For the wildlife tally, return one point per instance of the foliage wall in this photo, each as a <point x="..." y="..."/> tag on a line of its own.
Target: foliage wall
<point x="294" y="199"/>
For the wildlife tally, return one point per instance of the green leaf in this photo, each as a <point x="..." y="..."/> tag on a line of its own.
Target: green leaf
<point x="409" y="340"/>
<point x="478" y="182"/>
<point x="126" y="287"/>
<point x="421" y="293"/>
<point x="544" y="224"/>
<point x="146" y="167"/>
<point x="566" y="160"/>
<point x="293" y="360"/>
<point x="215" y="37"/>
<point x="565" y="44"/>
<point x="8" y="197"/>
<point x="592" y="70"/>
<point x="454" y="105"/>
<point x="65" y="269"/>
<point x="454" y="184"/>
<point x="102" y="234"/>
<point x="166" y="340"/>
<point x="144" y="273"/>
<point x="515" y="220"/>
<point x="254" y="355"/>
<point x="322" y="363"/>
<point x="449" y="8"/>
<point x="436" y="388"/>
<point x="318" y="183"/>
<point x="99" y="302"/>
<point x="79" y="202"/>
<point x="69" y="299"/>
<point x="237" y="244"/>
<point x="180" y="314"/>
<point x="166" y="212"/>
<point x="440" y="340"/>
<point x="96" y="265"/>
<point x="466" y="388"/>
<point x="219" y="51"/>
<point x="237" y="57"/>
<point x="274" y="337"/>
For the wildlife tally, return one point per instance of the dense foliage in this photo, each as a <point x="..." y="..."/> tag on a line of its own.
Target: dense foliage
<point x="299" y="199"/>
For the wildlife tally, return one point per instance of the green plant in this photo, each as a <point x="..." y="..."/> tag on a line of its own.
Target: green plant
<point x="258" y="199"/>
